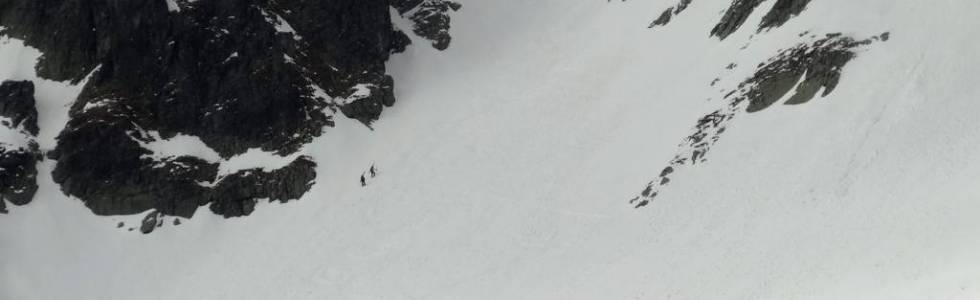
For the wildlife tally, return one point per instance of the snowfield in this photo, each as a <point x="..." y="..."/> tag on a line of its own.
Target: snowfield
<point x="506" y="168"/>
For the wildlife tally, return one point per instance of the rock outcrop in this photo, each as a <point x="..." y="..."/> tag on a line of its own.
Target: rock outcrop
<point x="738" y="13"/>
<point x="430" y="18"/>
<point x="669" y="14"/>
<point x="19" y="152"/>
<point x="782" y="11"/>
<point x="822" y="62"/>
<point x="734" y="17"/>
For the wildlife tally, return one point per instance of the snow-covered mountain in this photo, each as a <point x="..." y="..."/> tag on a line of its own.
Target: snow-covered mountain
<point x="428" y="149"/>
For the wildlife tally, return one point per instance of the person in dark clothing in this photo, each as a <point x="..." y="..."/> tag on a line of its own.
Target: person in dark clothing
<point x="363" y="183"/>
<point x="372" y="172"/>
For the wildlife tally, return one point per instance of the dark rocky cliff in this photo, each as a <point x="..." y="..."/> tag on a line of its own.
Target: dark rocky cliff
<point x="18" y="150"/>
<point x="238" y="74"/>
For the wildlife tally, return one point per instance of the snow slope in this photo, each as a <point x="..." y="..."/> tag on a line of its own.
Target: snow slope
<point x="506" y="168"/>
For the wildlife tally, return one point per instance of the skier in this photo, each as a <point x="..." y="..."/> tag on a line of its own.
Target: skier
<point x="363" y="183"/>
<point x="372" y="172"/>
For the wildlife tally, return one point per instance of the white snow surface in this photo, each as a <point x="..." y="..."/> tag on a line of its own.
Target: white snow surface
<point x="172" y="6"/>
<point x="13" y="138"/>
<point x="191" y="146"/>
<point x="506" y="167"/>
<point x="281" y="25"/>
<point x="358" y="92"/>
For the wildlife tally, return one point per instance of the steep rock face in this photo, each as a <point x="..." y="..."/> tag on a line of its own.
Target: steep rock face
<point x="669" y="14"/>
<point x="822" y="62"/>
<point x="430" y="18"/>
<point x="18" y="151"/>
<point x="236" y="194"/>
<point x="781" y="12"/>
<point x="18" y="173"/>
<point x="734" y="17"/>
<point x="237" y="74"/>
<point x="17" y="104"/>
